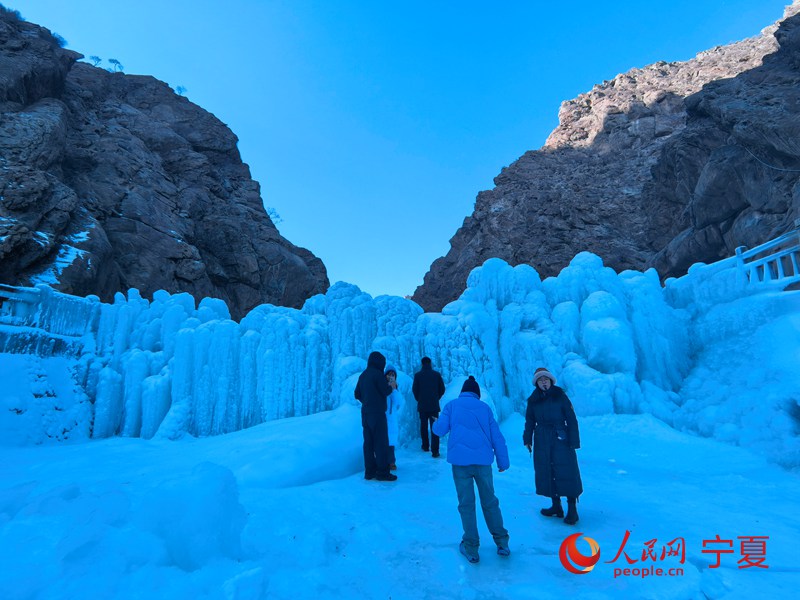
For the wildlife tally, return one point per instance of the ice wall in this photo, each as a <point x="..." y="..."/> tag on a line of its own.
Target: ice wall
<point x="687" y="352"/>
<point x="46" y="346"/>
<point x="744" y="384"/>
<point x="41" y="400"/>
<point x="44" y="322"/>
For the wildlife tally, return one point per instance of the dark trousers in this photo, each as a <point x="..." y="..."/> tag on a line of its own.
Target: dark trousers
<point x="376" y="444"/>
<point x="425" y="421"/>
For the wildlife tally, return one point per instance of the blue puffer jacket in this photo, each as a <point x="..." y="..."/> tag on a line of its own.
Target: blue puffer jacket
<point x="475" y="437"/>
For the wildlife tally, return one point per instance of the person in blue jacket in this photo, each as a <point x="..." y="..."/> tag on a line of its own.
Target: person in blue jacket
<point x="475" y="440"/>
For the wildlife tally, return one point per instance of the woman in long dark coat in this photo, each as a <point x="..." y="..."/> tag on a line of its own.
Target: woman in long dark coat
<point x="552" y="428"/>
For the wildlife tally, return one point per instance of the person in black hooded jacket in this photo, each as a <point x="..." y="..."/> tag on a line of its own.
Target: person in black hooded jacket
<point x="552" y="428"/>
<point x="372" y="390"/>
<point x="428" y="388"/>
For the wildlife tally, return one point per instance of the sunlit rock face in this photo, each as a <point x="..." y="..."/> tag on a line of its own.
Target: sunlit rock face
<point x="111" y="181"/>
<point x="660" y="167"/>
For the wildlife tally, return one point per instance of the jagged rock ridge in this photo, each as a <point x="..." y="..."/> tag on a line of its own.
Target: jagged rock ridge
<point x="663" y="166"/>
<point x="110" y="181"/>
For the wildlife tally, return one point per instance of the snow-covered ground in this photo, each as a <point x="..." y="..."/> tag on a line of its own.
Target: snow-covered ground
<point x="281" y="510"/>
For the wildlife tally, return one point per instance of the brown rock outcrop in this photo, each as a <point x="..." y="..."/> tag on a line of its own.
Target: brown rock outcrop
<point x="663" y="166"/>
<point x="110" y="181"/>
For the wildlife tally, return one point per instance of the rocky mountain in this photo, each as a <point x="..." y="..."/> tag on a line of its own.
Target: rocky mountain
<point x="110" y="181"/>
<point x="660" y="167"/>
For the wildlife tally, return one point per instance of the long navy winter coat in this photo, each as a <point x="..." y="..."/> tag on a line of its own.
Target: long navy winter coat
<point x="551" y="424"/>
<point x="428" y="388"/>
<point x="372" y="388"/>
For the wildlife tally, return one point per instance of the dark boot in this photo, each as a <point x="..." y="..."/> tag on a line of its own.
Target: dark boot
<point x="572" y="511"/>
<point x="555" y="510"/>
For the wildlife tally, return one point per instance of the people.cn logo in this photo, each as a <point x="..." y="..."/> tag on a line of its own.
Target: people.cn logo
<point x="573" y="560"/>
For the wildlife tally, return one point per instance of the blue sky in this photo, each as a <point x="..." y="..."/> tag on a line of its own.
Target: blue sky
<point x="372" y="126"/>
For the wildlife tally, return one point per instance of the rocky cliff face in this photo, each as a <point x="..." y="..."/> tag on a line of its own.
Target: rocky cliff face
<point x="660" y="167"/>
<point x="111" y="181"/>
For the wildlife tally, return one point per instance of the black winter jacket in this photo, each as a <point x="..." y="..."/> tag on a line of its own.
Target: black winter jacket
<point x="551" y="425"/>
<point x="428" y="388"/>
<point x="372" y="388"/>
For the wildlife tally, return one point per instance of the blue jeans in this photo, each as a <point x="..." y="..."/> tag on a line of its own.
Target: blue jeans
<point x="463" y="477"/>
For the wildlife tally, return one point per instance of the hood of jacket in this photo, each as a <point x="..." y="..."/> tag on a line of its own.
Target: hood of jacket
<point x="377" y="361"/>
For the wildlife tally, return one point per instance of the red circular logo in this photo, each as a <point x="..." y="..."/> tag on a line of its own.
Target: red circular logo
<point x="573" y="560"/>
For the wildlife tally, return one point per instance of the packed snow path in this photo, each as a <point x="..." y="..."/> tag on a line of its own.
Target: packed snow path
<point x="282" y="511"/>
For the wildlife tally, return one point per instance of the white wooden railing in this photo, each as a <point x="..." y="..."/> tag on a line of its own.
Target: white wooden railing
<point x="781" y="264"/>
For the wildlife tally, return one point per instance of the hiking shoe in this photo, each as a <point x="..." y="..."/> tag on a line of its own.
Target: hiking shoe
<point x="472" y="556"/>
<point x="424" y="449"/>
<point x="387" y="477"/>
<point x="369" y="476"/>
<point x="503" y="551"/>
<point x="435" y="455"/>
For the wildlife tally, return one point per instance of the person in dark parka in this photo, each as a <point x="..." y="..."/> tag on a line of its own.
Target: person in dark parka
<point x="552" y="428"/>
<point x="428" y="388"/>
<point x="372" y="390"/>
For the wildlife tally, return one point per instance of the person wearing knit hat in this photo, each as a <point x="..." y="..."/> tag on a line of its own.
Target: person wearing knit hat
<point x="470" y="385"/>
<point x="551" y="427"/>
<point x="542" y="372"/>
<point x="473" y="445"/>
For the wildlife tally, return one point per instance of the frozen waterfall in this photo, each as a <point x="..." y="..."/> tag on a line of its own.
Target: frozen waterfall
<point x="622" y="343"/>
